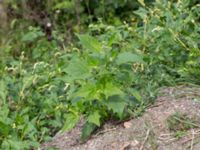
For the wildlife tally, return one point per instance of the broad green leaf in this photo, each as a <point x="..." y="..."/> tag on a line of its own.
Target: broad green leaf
<point x="4" y="129"/>
<point x="110" y="89"/>
<point x="127" y="57"/>
<point x="87" y="130"/>
<point x="4" y="113"/>
<point x="70" y="121"/>
<point x="64" y="5"/>
<point x="31" y="36"/>
<point x="88" y="91"/>
<point x="15" y="144"/>
<point x="137" y="95"/>
<point x="116" y="104"/>
<point x="94" y="118"/>
<point x="3" y="91"/>
<point x="28" y="128"/>
<point x="78" y="69"/>
<point x="90" y="43"/>
<point x="142" y="13"/>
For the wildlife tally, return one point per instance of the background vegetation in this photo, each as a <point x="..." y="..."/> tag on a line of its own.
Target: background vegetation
<point x="96" y="59"/>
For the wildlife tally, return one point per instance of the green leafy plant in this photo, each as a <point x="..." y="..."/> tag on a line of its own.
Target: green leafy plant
<point x="110" y="72"/>
<point x="97" y="73"/>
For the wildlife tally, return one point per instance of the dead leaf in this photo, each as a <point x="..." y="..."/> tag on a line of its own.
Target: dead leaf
<point x="127" y="125"/>
<point x="135" y="143"/>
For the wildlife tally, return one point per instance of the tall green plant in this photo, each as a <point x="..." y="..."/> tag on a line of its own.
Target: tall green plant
<point x="99" y="79"/>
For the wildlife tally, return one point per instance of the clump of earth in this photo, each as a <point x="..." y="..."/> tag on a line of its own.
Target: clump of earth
<point x="151" y="131"/>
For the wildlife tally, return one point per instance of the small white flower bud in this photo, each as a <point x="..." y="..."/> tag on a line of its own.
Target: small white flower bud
<point x="49" y="24"/>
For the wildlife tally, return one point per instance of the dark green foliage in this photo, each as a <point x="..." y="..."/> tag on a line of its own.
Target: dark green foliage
<point x="51" y="77"/>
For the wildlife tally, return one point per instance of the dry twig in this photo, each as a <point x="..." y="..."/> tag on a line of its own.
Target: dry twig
<point x="147" y="135"/>
<point x="192" y="142"/>
<point x="195" y="133"/>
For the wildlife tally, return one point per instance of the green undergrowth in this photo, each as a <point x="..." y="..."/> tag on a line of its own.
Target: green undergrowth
<point x="180" y="123"/>
<point x="109" y="72"/>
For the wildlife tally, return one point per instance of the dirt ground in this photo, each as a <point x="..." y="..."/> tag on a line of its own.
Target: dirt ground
<point x="148" y="132"/>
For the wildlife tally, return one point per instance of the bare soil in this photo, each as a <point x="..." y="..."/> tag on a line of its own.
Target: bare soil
<point x="148" y="132"/>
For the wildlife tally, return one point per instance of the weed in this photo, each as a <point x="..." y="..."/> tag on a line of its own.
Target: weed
<point x="111" y="72"/>
<point x="180" y="123"/>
